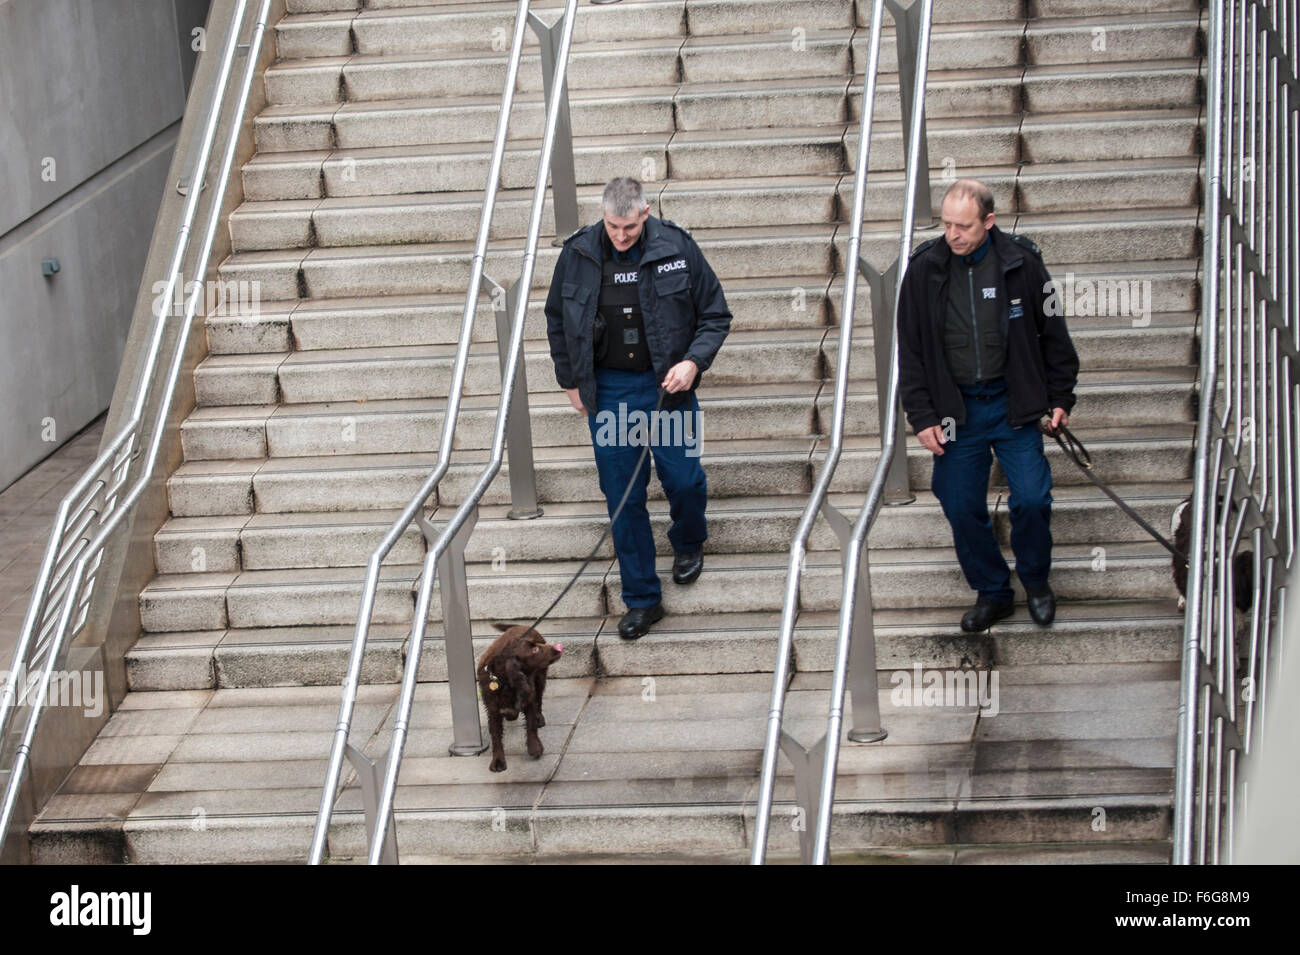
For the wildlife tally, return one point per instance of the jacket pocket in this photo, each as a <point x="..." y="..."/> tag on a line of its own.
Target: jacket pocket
<point x="575" y="305"/>
<point x="673" y="283"/>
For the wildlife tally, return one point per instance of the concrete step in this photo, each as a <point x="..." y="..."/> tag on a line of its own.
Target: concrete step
<point x="571" y="530"/>
<point x="736" y="466"/>
<point x="1092" y="135"/>
<point x="484" y="33"/>
<point x="1158" y="307"/>
<point x="1125" y="37"/>
<point x="421" y="217"/>
<point x="739" y="252"/>
<point x="977" y="44"/>
<point x="486" y="27"/>
<point x="1120" y="185"/>
<point x="700" y="152"/>
<point x="1049" y="138"/>
<point x="700" y="105"/>
<point x="1103" y="634"/>
<point x="778" y="410"/>
<point x="736" y="583"/>
<point x="416" y="269"/>
<point x="780" y="200"/>
<point x="424" y="371"/>
<point x="750" y="358"/>
<point x="629" y="767"/>
<point x="739" y="410"/>
<point x="765" y="302"/>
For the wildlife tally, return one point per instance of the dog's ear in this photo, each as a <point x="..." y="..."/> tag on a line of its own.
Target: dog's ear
<point x="503" y="627"/>
<point x="512" y="672"/>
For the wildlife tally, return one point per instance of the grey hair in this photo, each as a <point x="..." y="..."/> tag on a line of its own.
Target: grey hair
<point x="624" y="197"/>
<point x="974" y="189"/>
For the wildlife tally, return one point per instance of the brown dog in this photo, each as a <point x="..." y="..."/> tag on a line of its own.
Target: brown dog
<point x="511" y="679"/>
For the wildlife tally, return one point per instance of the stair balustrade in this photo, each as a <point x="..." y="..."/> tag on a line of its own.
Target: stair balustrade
<point x="445" y="555"/>
<point x="92" y="517"/>
<point x="855" y="652"/>
<point x="1244" y="504"/>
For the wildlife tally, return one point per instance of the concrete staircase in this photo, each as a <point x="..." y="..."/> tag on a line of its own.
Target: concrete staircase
<point x="318" y="417"/>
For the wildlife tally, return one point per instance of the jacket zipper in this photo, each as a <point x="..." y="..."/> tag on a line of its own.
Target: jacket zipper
<point x="975" y="320"/>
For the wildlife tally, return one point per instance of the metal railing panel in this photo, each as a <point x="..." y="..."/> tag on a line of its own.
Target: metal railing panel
<point x="64" y="584"/>
<point x="1245" y="465"/>
<point x="444" y="560"/>
<point x="855" y="658"/>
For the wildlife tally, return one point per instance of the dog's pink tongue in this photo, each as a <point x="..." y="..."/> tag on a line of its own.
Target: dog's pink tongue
<point x="559" y="647"/>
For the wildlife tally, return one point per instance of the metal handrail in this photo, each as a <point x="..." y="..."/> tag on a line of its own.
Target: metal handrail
<point x="798" y="546"/>
<point x="1246" y="448"/>
<point x="853" y="633"/>
<point x="381" y="827"/>
<point x="854" y="552"/>
<point x="75" y="555"/>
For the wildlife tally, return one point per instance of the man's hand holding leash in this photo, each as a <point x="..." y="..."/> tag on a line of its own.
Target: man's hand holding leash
<point x="680" y="377"/>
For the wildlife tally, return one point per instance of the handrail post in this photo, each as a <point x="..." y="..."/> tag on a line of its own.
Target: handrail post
<point x="519" y="429"/>
<point x="907" y="35"/>
<point x="884" y="301"/>
<point x="564" y="177"/>
<point x="467" y="729"/>
<point x="863" y="695"/>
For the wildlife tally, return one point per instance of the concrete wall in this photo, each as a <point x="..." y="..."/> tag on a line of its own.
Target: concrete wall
<point x="91" y="94"/>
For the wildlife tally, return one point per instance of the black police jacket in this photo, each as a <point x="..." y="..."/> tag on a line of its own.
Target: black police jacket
<point x="1042" y="367"/>
<point x="682" y="307"/>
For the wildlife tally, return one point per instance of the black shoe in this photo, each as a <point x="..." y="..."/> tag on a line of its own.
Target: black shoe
<point x="985" y="614"/>
<point x="686" y="567"/>
<point x="636" y="622"/>
<point x="1042" y="606"/>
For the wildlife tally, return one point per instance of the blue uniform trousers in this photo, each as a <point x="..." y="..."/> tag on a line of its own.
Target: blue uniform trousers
<point x="674" y="445"/>
<point x="961" y="482"/>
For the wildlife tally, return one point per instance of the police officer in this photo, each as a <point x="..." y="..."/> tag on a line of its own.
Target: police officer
<point x="983" y="356"/>
<point x="634" y="307"/>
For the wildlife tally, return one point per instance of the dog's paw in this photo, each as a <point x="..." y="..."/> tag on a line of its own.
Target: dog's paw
<point x="541" y="720"/>
<point x="498" y="765"/>
<point x="1182" y="603"/>
<point x="535" y="749"/>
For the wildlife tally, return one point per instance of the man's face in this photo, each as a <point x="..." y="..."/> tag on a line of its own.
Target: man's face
<point x="963" y="229"/>
<point x="624" y="233"/>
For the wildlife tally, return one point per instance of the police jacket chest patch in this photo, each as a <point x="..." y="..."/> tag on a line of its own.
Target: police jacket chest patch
<point x="674" y="265"/>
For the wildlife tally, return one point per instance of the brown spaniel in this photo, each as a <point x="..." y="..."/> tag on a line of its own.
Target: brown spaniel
<point x="511" y="679"/>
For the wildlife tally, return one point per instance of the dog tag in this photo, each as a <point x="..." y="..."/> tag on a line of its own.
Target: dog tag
<point x="494" y="686"/>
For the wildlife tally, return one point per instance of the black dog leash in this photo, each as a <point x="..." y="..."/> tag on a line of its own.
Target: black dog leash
<point x="636" y="473"/>
<point x="1077" y="453"/>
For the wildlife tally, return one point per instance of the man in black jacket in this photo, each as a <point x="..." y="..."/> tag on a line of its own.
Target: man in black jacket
<point x="983" y="355"/>
<point x="634" y="307"/>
